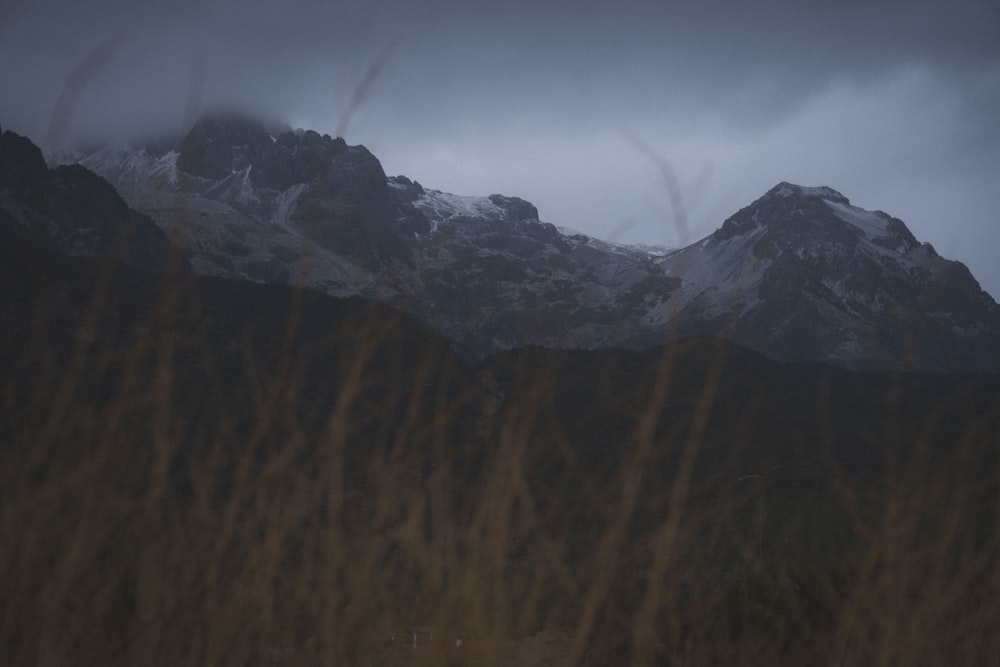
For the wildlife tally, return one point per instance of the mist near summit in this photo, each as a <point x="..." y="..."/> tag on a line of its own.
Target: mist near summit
<point x="590" y="112"/>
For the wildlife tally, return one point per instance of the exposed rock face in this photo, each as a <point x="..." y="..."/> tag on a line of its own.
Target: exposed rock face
<point x="270" y="206"/>
<point x="490" y="275"/>
<point x="75" y="211"/>
<point x="221" y="145"/>
<point x="515" y="207"/>
<point x="800" y="274"/>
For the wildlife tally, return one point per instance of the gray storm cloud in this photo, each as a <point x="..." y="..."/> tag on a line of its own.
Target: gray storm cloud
<point x="893" y="103"/>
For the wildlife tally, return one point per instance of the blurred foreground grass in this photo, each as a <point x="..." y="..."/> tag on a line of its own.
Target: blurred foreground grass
<point x="201" y="472"/>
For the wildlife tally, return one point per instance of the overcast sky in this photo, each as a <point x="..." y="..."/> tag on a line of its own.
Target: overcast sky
<point x="587" y="109"/>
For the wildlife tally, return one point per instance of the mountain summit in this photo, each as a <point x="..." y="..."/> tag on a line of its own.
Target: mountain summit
<point x="800" y="274"/>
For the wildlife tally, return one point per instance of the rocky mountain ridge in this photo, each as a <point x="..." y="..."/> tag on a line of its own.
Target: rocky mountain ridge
<point x="76" y="212"/>
<point x="800" y="274"/>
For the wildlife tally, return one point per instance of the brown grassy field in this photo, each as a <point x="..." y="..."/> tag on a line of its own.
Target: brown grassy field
<point x="201" y="472"/>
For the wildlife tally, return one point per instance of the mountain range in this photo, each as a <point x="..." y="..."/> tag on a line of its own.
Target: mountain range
<point x="800" y="274"/>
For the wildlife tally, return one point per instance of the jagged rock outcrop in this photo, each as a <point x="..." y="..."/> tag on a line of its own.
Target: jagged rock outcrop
<point x="335" y="193"/>
<point x="23" y="172"/>
<point x="219" y="146"/>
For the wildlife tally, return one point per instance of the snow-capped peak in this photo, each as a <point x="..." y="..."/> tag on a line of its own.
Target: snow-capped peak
<point x="786" y="189"/>
<point x="874" y="224"/>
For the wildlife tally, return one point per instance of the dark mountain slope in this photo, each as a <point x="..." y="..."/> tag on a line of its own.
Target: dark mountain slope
<point x="76" y="212"/>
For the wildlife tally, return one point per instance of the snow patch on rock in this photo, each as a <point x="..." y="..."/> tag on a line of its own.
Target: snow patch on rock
<point x="443" y="207"/>
<point x="873" y="223"/>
